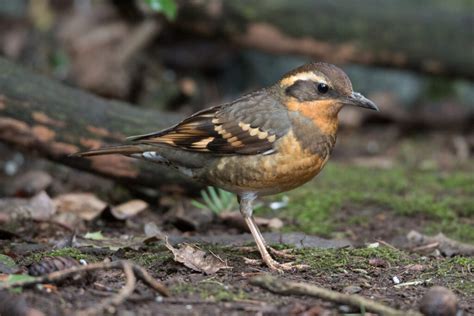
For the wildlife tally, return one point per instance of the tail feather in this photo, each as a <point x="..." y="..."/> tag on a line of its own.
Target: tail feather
<point x="122" y="149"/>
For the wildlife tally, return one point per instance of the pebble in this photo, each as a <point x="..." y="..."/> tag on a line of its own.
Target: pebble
<point x="439" y="301"/>
<point x="352" y="289"/>
<point x="396" y="280"/>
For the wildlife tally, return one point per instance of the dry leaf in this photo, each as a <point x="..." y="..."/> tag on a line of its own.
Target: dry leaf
<point x="272" y="223"/>
<point x="128" y="209"/>
<point x="84" y="205"/>
<point x="30" y="183"/>
<point x="39" y="207"/>
<point x="448" y="247"/>
<point x="196" y="259"/>
<point x="235" y="219"/>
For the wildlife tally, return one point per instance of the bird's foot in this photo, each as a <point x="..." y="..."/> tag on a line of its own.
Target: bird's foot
<point x="277" y="266"/>
<point x="285" y="267"/>
<point x="285" y="253"/>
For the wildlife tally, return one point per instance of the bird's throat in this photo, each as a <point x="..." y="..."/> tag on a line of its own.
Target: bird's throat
<point x="323" y="113"/>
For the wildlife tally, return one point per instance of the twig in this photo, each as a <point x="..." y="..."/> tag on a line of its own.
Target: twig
<point x="429" y="246"/>
<point x="132" y="272"/>
<point x="146" y="278"/>
<point x="284" y="287"/>
<point x="118" y="298"/>
<point x="447" y="246"/>
<point x="411" y="283"/>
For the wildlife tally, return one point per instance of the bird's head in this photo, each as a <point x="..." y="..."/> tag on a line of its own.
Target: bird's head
<point x="320" y="90"/>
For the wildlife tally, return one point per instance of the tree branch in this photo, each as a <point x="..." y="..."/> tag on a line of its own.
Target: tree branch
<point x="279" y="286"/>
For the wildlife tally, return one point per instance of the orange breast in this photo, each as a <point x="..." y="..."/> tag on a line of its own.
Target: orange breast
<point x="289" y="167"/>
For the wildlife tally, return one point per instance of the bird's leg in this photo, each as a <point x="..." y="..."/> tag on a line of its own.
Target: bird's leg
<point x="245" y="201"/>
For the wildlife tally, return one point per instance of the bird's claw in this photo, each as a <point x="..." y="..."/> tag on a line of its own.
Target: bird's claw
<point x="285" y="267"/>
<point x="285" y="253"/>
<point x="276" y="266"/>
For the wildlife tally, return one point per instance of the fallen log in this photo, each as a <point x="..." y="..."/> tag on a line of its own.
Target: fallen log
<point x="43" y="116"/>
<point x="426" y="36"/>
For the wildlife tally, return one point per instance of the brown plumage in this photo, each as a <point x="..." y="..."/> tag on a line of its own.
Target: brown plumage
<point x="265" y="142"/>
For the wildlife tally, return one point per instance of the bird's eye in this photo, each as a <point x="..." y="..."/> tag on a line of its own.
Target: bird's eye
<point x="323" y="88"/>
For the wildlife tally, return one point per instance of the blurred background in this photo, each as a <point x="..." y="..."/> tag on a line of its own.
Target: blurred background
<point x="414" y="59"/>
<point x="80" y="74"/>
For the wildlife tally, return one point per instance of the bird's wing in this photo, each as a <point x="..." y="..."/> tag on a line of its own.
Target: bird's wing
<point x="247" y="126"/>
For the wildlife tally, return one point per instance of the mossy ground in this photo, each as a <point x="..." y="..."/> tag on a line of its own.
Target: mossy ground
<point x="346" y="266"/>
<point x="361" y="203"/>
<point x="64" y="252"/>
<point x="445" y="200"/>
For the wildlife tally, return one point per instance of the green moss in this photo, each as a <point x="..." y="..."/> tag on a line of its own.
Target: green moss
<point x="64" y="252"/>
<point x="148" y="259"/>
<point x="455" y="272"/>
<point x="327" y="260"/>
<point x="209" y="289"/>
<point x="446" y="200"/>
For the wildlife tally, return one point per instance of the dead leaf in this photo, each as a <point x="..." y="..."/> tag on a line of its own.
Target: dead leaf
<point x="235" y="219"/>
<point x="94" y="236"/>
<point x="196" y="259"/>
<point x="448" y="247"/>
<point x="30" y="183"/>
<point x="272" y="223"/>
<point x="84" y="205"/>
<point x="128" y="209"/>
<point x="151" y="230"/>
<point x="39" y="207"/>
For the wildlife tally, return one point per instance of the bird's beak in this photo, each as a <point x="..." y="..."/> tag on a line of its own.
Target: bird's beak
<point x="358" y="99"/>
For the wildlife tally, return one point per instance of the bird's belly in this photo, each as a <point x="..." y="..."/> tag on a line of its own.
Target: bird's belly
<point x="288" y="168"/>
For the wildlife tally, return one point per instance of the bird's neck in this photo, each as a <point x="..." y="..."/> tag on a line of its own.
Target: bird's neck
<point x="323" y="114"/>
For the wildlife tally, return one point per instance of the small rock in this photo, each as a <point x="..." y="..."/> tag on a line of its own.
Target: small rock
<point x="347" y="309"/>
<point x="84" y="205"/>
<point x="128" y="209"/>
<point x="12" y="166"/>
<point x="352" y="289"/>
<point x="189" y="218"/>
<point x="378" y="262"/>
<point x="396" y="280"/>
<point x="39" y="207"/>
<point x="415" y="267"/>
<point x="373" y="245"/>
<point x="439" y="301"/>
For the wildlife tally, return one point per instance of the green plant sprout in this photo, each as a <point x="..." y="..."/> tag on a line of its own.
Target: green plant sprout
<point x="216" y="200"/>
<point x="167" y="7"/>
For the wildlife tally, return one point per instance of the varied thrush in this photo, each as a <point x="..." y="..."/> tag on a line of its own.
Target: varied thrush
<point x="266" y="142"/>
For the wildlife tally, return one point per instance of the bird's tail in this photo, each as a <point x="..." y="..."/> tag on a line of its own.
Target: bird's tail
<point x="121" y="149"/>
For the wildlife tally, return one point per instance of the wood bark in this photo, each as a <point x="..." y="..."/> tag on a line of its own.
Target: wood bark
<point x="433" y="37"/>
<point x="40" y="115"/>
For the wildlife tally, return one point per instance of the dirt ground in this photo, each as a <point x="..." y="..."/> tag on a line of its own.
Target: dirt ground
<point x="333" y="241"/>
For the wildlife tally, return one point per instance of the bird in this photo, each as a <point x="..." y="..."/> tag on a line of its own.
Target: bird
<point x="266" y="142"/>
